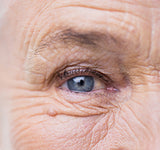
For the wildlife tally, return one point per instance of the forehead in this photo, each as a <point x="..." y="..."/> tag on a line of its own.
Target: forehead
<point x="69" y="12"/>
<point x="121" y="5"/>
<point x="72" y="12"/>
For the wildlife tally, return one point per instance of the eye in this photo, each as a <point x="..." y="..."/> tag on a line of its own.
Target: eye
<point x="83" y="80"/>
<point x="87" y="88"/>
<point x="81" y="84"/>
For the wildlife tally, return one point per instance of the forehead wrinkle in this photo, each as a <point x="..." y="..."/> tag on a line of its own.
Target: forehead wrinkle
<point x="101" y="3"/>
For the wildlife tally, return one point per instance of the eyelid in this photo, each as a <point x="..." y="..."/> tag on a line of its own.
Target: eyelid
<point x="64" y="75"/>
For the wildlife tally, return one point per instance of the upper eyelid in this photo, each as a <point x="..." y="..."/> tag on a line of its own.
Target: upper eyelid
<point x="61" y="78"/>
<point x="79" y="70"/>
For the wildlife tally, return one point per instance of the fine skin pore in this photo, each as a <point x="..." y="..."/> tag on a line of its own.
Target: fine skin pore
<point x="115" y="41"/>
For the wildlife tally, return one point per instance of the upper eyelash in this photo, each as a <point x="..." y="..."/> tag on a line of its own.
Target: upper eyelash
<point x="66" y="74"/>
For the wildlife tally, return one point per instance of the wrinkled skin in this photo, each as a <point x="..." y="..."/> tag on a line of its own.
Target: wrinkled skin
<point x="44" y="116"/>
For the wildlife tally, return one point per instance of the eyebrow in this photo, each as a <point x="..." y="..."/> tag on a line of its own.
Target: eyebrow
<point x="83" y="38"/>
<point x="70" y="36"/>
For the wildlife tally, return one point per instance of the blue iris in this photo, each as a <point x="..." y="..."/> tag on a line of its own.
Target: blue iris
<point x="81" y="84"/>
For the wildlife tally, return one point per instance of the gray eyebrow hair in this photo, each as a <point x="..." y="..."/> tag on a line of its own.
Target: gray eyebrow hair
<point x="70" y="36"/>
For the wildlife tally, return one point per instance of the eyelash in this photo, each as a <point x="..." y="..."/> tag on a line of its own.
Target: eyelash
<point x="67" y="74"/>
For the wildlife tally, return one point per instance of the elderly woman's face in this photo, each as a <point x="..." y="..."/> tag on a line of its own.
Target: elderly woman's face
<point x="83" y="74"/>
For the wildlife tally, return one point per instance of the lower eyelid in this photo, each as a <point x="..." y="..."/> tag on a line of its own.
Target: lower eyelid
<point x="92" y="103"/>
<point x="78" y="97"/>
<point x="108" y="94"/>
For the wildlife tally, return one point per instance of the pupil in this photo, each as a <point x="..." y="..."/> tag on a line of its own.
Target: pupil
<point x="81" y="84"/>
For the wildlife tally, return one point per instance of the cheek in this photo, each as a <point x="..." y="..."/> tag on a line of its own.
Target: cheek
<point x="33" y="128"/>
<point x="139" y="119"/>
